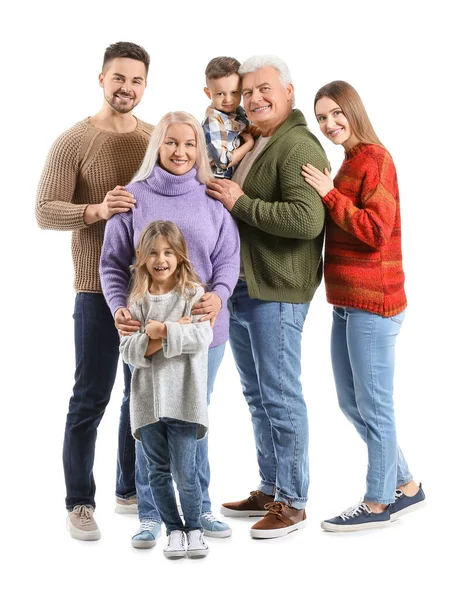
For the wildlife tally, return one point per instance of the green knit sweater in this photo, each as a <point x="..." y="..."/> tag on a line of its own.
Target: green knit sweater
<point x="281" y="218"/>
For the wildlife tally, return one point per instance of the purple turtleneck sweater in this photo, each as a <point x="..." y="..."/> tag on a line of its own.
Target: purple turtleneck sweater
<point x="210" y="232"/>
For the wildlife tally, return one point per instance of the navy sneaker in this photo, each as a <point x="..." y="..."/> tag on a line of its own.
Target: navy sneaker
<point x="404" y="504"/>
<point x="356" y="518"/>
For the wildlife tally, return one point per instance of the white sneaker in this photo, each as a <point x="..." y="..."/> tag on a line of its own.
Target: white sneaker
<point x="197" y="548"/>
<point x="175" y="547"/>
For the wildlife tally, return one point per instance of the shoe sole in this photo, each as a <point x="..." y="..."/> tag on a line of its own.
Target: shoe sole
<point x="229" y="512"/>
<point x="84" y="536"/>
<point x="408" y="509"/>
<point x="266" y="534"/>
<point x="197" y="553"/>
<point x="126" y="509"/>
<point x="217" y="534"/>
<point x="359" y="527"/>
<point x="175" y="554"/>
<point x="143" y="544"/>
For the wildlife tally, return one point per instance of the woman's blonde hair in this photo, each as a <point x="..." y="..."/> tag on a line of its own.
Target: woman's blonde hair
<point x="141" y="279"/>
<point x="352" y="106"/>
<point x="158" y="137"/>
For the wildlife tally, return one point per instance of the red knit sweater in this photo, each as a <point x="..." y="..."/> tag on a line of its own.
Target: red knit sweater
<point x="363" y="256"/>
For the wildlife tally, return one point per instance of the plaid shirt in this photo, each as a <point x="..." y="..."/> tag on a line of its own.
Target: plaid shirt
<point x="222" y="132"/>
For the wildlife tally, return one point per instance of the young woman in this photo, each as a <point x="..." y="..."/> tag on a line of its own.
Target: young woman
<point x="365" y="283"/>
<point x="168" y="406"/>
<point x="170" y="186"/>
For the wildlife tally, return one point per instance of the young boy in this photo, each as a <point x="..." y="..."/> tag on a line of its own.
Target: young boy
<point x="225" y="121"/>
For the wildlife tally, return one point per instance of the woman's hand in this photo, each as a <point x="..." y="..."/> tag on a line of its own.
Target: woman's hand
<point x="224" y="191"/>
<point x="209" y="306"/>
<point x="321" y="182"/>
<point x="156" y="330"/>
<point x="124" y="322"/>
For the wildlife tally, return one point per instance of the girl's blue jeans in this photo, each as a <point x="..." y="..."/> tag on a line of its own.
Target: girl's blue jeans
<point x="146" y="506"/>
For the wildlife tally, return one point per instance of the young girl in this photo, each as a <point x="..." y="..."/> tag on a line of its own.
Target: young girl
<point x="168" y="407"/>
<point x="365" y="282"/>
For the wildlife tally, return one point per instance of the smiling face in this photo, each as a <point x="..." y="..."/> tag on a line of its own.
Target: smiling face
<point x="333" y="123"/>
<point x="177" y="153"/>
<point x="123" y="83"/>
<point x="266" y="102"/>
<point x="224" y="92"/>
<point x="162" y="265"/>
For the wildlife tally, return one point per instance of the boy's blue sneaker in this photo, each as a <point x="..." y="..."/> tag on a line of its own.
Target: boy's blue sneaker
<point x="404" y="504"/>
<point x="214" y="528"/>
<point x="147" y="534"/>
<point x="356" y="518"/>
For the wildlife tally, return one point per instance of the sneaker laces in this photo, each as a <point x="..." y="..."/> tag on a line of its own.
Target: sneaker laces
<point x="208" y="516"/>
<point x="85" y="513"/>
<point x="355" y="511"/>
<point x="146" y="525"/>
<point x="398" y="494"/>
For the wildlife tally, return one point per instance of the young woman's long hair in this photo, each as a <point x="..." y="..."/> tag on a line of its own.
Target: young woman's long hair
<point x="141" y="279"/>
<point x="347" y="98"/>
<point x="157" y="139"/>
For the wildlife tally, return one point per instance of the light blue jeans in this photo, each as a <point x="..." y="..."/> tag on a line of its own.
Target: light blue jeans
<point x="170" y="450"/>
<point x="363" y="358"/>
<point x="146" y="506"/>
<point x="265" y="338"/>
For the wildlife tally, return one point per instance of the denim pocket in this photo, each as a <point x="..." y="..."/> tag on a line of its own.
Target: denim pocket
<point x="299" y="314"/>
<point x="398" y="318"/>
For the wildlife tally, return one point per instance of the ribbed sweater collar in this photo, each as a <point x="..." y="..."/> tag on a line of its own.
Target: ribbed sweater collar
<point x="165" y="183"/>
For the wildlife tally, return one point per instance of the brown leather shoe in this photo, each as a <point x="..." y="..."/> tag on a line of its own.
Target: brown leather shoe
<point x="279" y="521"/>
<point x="254" y="506"/>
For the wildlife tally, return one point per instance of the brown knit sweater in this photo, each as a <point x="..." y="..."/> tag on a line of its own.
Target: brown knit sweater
<point x="84" y="164"/>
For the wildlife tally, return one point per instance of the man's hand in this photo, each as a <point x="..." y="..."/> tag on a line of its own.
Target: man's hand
<point x="156" y="330"/>
<point x="224" y="191"/>
<point x="209" y="306"/>
<point x="124" y="322"/>
<point x="118" y="200"/>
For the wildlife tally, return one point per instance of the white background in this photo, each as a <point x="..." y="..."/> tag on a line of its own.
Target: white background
<point x="404" y="58"/>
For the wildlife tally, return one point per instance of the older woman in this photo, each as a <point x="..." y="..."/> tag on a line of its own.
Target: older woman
<point x="170" y="185"/>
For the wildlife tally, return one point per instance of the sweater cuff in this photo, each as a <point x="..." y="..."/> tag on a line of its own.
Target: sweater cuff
<point x="330" y="198"/>
<point x="241" y="207"/>
<point x="172" y="346"/>
<point x="223" y="293"/>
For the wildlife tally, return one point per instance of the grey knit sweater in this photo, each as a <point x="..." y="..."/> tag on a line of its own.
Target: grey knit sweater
<point x="173" y="381"/>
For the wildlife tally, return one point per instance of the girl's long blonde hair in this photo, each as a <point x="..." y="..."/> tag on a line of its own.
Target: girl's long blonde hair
<point x="141" y="280"/>
<point x="157" y="138"/>
<point x="352" y="106"/>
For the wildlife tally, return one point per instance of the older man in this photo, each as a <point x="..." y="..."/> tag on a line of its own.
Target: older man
<point x="281" y="222"/>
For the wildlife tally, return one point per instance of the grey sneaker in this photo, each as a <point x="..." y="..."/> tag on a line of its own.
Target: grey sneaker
<point x="82" y="525"/>
<point x="127" y="506"/>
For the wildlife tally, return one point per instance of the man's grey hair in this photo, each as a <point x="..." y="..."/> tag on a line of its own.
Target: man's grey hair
<point x="268" y="60"/>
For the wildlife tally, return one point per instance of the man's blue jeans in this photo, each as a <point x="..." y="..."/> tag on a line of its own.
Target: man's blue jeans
<point x="169" y="446"/>
<point x="97" y="354"/>
<point x="363" y="359"/>
<point x="265" y="338"/>
<point x="146" y="505"/>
